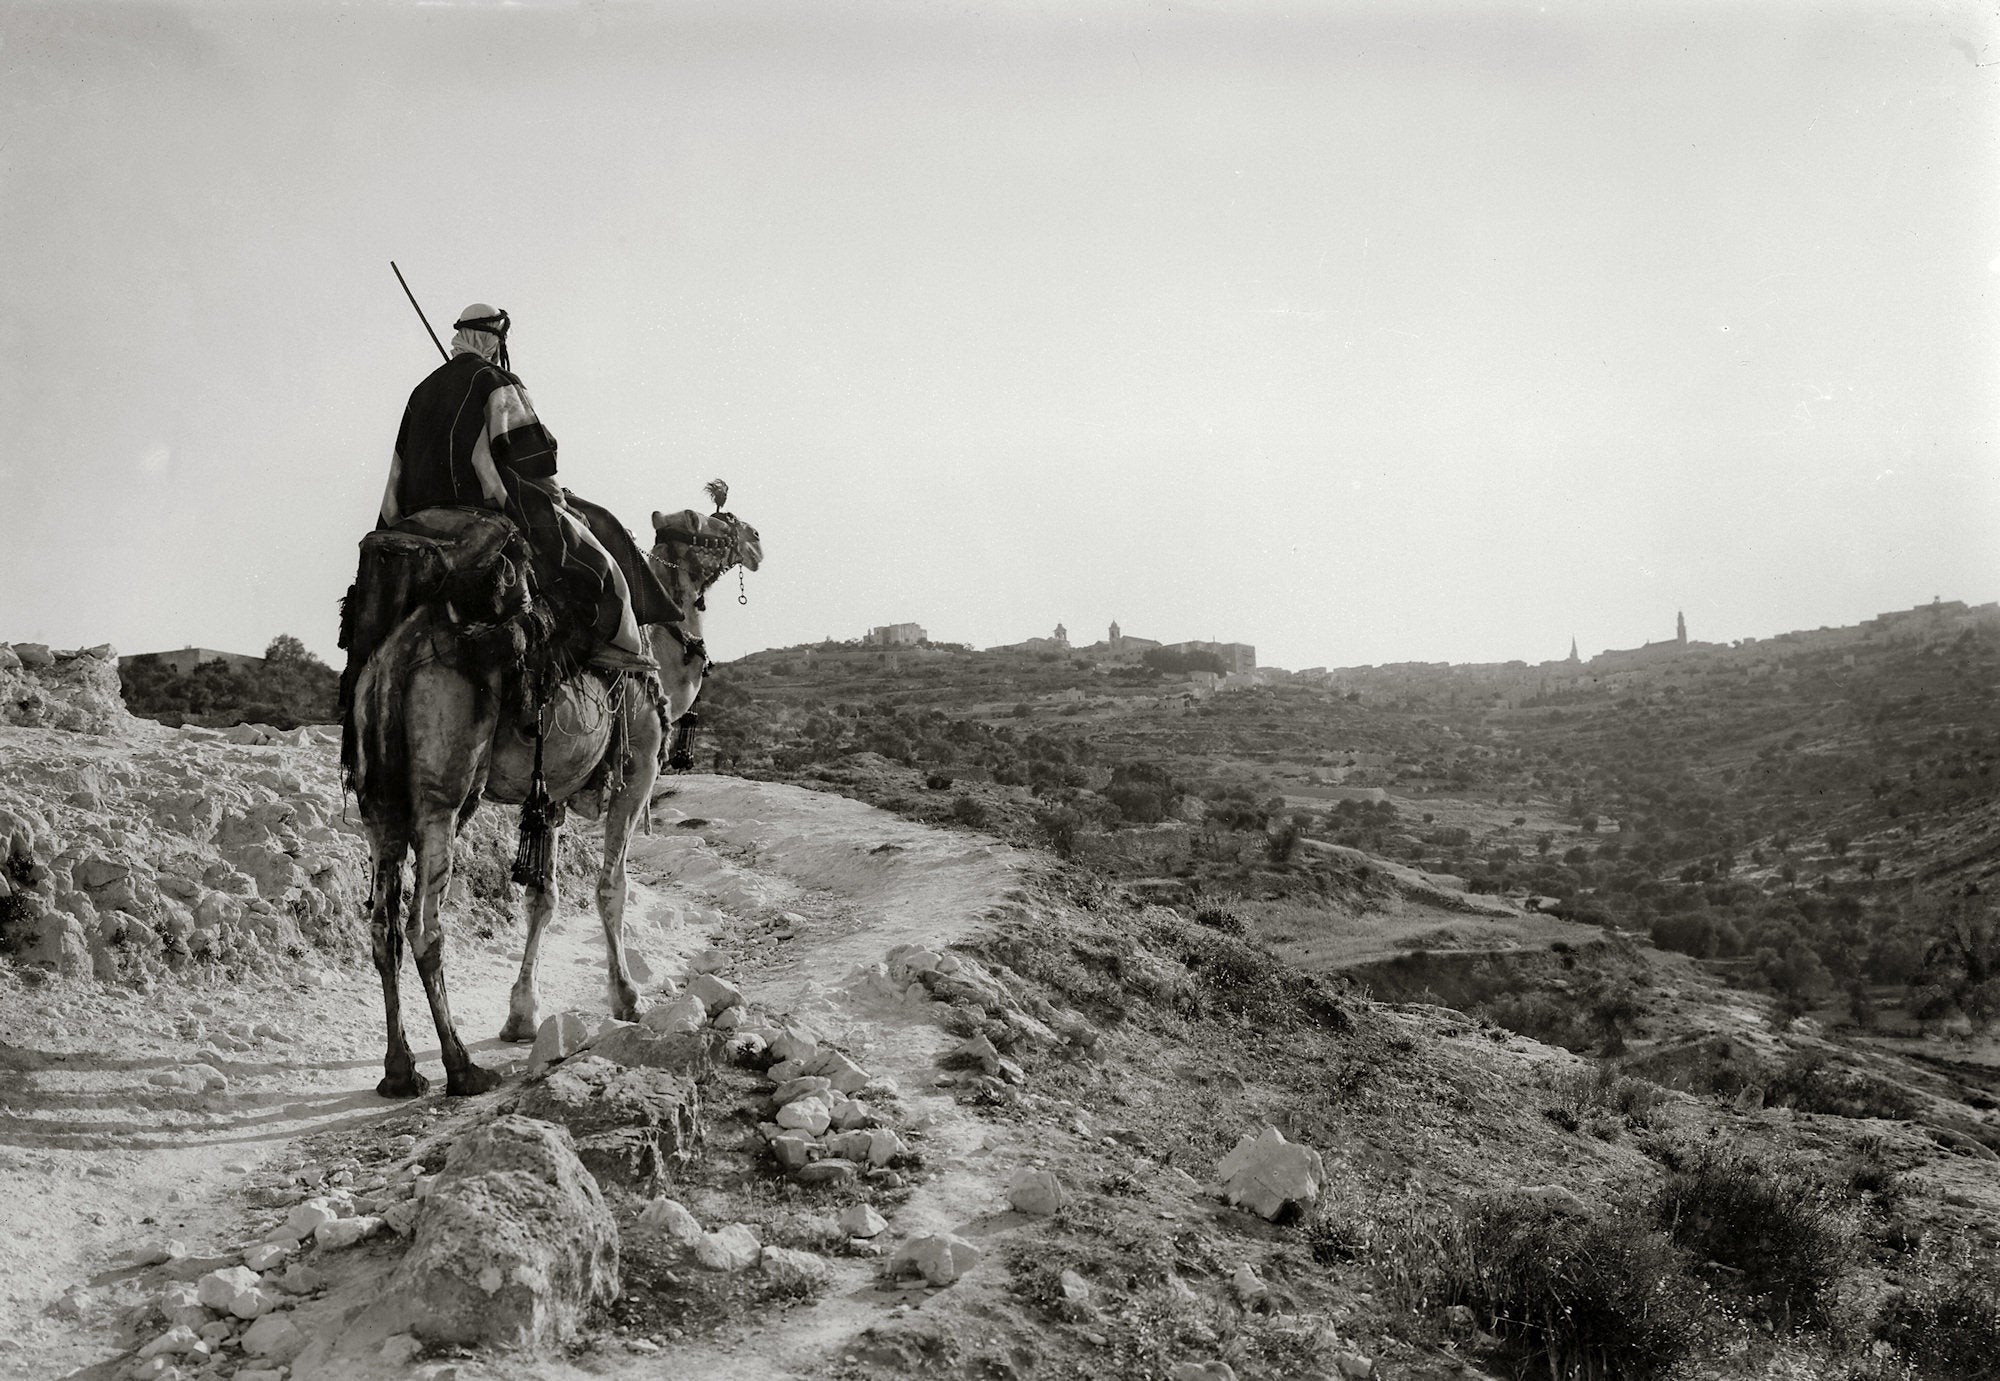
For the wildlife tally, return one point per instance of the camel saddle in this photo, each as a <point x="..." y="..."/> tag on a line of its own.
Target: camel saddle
<point x="435" y="554"/>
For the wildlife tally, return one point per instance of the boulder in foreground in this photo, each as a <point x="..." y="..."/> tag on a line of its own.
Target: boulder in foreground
<point x="513" y="1246"/>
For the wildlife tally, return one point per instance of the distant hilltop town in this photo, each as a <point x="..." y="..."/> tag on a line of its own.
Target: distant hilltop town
<point x="1116" y="647"/>
<point x="1938" y="621"/>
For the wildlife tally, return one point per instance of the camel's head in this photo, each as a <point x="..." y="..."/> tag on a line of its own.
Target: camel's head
<point x="710" y="543"/>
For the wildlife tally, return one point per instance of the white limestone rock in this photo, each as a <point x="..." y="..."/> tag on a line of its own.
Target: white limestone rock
<point x="218" y="1289"/>
<point x="1038" y="1192"/>
<point x="346" y="1232"/>
<point x="861" y="1220"/>
<point x="671" y="1219"/>
<point x="939" y="1258"/>
<point x="715" y="994"/>
<point x="797" y="1269"/>
<point x="730" y="1249"/>
<point x="1270" y="1176"/>
<point x="677" y="1016"/>
<point x="275" y="1338"/>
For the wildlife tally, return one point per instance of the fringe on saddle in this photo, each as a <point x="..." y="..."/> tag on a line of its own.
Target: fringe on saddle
<point x="472" y="564"/>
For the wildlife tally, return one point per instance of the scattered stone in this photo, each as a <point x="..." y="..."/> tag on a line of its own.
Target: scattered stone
<point x="159" y="1253"/>
<point x="194" y="1078"/>
<point x="1555" y="1196"/>
<point x="639" y="1048"/>
<point x="276" y="1338"/>
<point x="792" y="1268"/>
<point x="303" y="1221"/>
<point x="708" y="961"/>
<point x="513" y="1247"/>
<point x="671" y="1218"/>
<point x="401" y="1145"/>
<point x="861" y="1220"/>
<point x="1270" y="1176"/>
<point x="401" y="1349"/>
<point x="218" y="1288"/>
<point x="678" y="1016"/>
<point x="346" y="1232"/>
<point x="715" y="994"/>
<point x="939" y="1258"/>
<point x="809" y="1115"/>
<point x="976" y="1053"/>
<point x="255" y="1302"/>
<point x="792" y="1149"/>
<point x="300" y="1279"/>
<point x="1353" y="1366"/>
<point x="734" y="1248"/>
<point x="176" y="1340"/>
<point x="1203" y="1371"/>
<point x="560" y="1037"/>
<point x="805" y="1086"/>
<point x="841" y="1073"/>
<point x="1250" y="1288"/>
<point x="630" y="1127"/>
<point x="265" y="1256"/>
<point x="1075" y="1289"/>
<point x="833" y="1170"/>
<point x="1038" y="1192"/>
<point x="793" y="1044"/>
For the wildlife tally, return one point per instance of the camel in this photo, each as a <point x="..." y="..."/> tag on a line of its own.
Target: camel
<point x="438" y="727"/>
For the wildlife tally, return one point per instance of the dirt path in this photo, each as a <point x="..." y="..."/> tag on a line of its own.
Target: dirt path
<point x="97" y="1161"/>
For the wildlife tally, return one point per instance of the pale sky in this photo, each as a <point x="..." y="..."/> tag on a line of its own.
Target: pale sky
<point x="1360" y="333"/>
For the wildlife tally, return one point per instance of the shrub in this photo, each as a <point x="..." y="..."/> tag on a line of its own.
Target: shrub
<point x="1808" y="1082"/>
<point x="1950" y="1332"/>
<point x="1578" y="1093"/>
<point x="969" y="810"/>
<point x="1573" y="1294"/>
<point x="1060" y="824"/>
<point x="1219" y="918"/>
<point x="1779" y="1226"/>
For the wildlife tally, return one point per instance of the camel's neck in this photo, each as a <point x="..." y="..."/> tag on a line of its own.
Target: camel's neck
<point x="680" y="671"/>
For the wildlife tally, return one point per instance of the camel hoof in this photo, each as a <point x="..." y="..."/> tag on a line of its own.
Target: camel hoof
<point x="472" y="1081"/>
<point x="519" y="1029"/>
<point x="409" y="1085"/>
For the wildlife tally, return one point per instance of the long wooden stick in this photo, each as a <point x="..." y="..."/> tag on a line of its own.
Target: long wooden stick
<point x="420" y="311"/>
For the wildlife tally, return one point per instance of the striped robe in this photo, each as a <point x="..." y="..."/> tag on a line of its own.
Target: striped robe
<point x="470" y="438"/>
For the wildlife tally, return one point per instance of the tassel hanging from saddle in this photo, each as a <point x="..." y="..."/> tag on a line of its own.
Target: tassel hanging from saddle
<point x="534" y="857"/>
<point x="680" y="757"/>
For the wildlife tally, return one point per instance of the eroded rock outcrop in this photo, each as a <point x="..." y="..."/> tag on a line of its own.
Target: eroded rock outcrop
<point x="513" y="1245"/>
<point x="631" y="1127"/>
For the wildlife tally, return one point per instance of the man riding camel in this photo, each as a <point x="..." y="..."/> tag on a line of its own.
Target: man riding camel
<point x="470" y="438"/>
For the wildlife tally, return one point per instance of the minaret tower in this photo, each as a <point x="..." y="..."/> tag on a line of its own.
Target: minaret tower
<point x="1574" y="659"/>
<point x="1681" y="628"/>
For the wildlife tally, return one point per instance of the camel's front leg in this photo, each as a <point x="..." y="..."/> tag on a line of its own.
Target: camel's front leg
<point x="641" y="769"/>
<point x="524" y="1008"/>
<point x="399" y="1067"/>
<point x="462" y="1076"/>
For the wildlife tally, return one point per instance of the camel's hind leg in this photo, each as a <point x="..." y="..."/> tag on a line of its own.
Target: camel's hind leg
<point x="642" y="747"/>
<point x="399" y="1067"/>
<point x="524" y="1008"/>
<point x="461" y="1076"/>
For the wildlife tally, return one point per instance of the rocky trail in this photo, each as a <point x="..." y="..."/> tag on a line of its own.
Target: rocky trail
<point x="182" y="1115"/>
